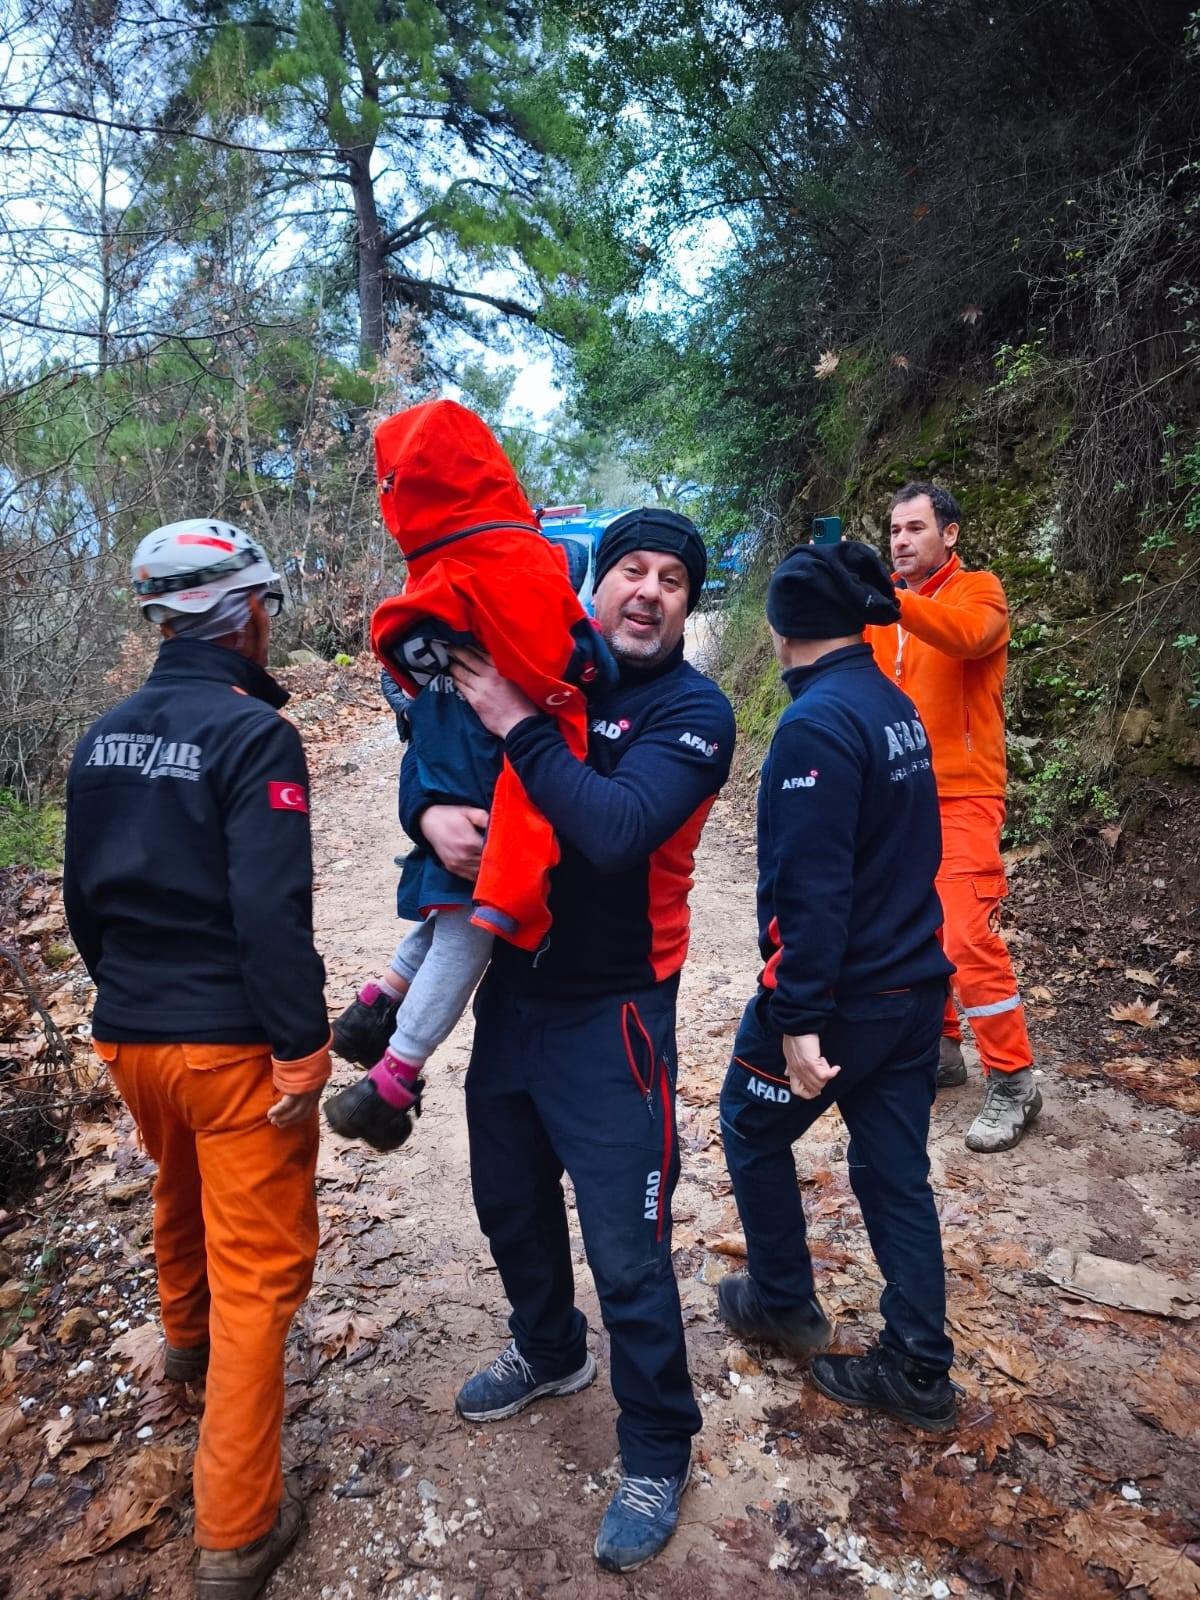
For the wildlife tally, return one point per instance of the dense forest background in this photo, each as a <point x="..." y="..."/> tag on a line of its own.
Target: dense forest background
<point x="762" y="260"/>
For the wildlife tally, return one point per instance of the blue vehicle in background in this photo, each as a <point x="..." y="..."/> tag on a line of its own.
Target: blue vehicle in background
<point x="579" y="531"/>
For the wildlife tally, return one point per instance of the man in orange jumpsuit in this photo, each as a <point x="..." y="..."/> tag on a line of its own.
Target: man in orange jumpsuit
<point x="949" y="652"/>
<point x="188" y="889"/>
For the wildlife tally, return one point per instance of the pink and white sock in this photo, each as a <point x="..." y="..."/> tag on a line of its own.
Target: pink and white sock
<point x="395" y="1078"/>
<point x="370" y="992"/>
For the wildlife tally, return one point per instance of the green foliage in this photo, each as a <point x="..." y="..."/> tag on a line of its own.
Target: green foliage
<point x="1019" y="368"/>
<point x="1026" y="236"/>
<point x="30" y="835"/>
<point x="444" y="125"/>
<point x="1066" y="783"/>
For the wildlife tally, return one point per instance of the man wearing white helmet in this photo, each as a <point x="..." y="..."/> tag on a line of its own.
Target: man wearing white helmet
<point x="188" y="889"/>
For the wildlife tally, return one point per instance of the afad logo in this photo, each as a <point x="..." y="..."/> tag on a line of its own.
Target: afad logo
<point x="802" y="783"/>
<point x="610" y="730"/>
<point x="697" y="743"/>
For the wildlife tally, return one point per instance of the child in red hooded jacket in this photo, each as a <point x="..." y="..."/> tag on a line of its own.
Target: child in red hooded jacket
<point x="481" y="573"/>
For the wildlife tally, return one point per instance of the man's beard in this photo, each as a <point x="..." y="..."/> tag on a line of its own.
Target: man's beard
<point x="634" y="649"/>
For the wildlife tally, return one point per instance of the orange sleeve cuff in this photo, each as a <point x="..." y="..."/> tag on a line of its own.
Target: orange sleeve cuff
<point x="299" y="1077"/>
<point x="970" y="628"/>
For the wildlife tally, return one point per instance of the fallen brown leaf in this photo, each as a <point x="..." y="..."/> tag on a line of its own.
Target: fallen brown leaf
<point x="141" y="1347"/>
<point x="78" y="1456"/>
<point x="12" y="1420"/>
<point x="1175" y="1083"/>
<point x="1141" y="975"/>
<point x="56" y="1434"/>
<point x="1119" y="1537"/>
<point x="344" y="1330"/>
<point x="144" y="1489"/>
<point x="1022" y="1366"/>
<point x="1137" y="1012"/>
<point x="728" y="1244"/>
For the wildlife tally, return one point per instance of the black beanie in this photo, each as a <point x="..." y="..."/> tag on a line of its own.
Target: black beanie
<point x="655" y="529"/>
<point x="823" y="591"/>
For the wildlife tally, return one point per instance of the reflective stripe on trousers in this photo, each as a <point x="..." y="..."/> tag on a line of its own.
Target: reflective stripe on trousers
<point x="972" y="887"/>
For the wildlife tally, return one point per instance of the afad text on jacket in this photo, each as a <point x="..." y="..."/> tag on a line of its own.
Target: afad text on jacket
<point x="188" y="872"/>
<point x="848" y="844"/>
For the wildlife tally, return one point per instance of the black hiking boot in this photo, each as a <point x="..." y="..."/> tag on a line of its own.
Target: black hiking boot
<point x="880" y="1381"/>
<point x="952" y="1069"/>
<point x="362" y="1031"/>
<point x="799" y="1331"/>
<point x="361" y="1112"/>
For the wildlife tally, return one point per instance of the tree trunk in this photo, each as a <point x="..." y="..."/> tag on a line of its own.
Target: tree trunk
<point x="370" y="256"/>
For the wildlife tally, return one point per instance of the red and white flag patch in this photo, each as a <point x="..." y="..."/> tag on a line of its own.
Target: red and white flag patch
<point x="287" y="796"/>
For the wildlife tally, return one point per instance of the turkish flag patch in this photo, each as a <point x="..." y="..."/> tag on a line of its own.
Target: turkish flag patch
<point x="287" y="796"/>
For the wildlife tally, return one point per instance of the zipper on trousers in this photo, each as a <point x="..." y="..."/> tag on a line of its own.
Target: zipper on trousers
<point x="645" y="1085"/>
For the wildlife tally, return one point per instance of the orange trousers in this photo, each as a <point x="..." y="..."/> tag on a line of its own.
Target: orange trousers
<point x="235" y="1239"/>
<point x="972" y="885"/>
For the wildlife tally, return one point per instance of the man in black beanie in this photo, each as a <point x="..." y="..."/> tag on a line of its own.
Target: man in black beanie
<point x="849" y="1005"/>
<point x="574" y="1061"/>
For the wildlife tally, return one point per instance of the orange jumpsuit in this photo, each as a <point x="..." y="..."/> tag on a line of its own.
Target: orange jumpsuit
<point x="235" y="1239"/>
<point x="949" y="653"/>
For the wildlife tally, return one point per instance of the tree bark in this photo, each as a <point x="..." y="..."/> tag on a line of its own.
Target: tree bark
<point x="371" y="255"/>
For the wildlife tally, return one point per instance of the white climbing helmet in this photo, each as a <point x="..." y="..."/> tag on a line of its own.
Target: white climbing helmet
<point x="189" y="566"/>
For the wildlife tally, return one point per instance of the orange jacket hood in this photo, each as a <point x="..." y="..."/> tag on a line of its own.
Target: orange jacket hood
<point x="441" y="471"/>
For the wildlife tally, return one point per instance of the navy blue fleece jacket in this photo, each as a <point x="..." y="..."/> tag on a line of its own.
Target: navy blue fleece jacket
<point x="628" y="821"/>
<point x="188" y="873"/>
<point x="849" y="843"/>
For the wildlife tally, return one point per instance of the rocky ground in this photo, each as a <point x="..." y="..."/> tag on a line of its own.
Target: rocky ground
<point x="1074" y="1293"/>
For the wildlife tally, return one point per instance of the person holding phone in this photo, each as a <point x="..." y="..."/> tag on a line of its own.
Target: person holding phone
<point x="949" y="651"/>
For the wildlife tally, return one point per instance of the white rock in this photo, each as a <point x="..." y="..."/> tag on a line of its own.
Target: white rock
<point x="145" y="1433"/>
<point x="1130" y="1491"/>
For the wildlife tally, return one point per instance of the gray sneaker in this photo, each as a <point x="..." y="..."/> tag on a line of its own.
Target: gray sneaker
<point x="1012" y="1103"/>
<point x="952" y="1069"/>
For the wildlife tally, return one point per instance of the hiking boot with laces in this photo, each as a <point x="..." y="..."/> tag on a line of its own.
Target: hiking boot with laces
<point x="799" y="1330"/>
<point x="361" y="1112"/>
<point x="881" y="1381"/>
<point x="952" y="1069"/>
<point x="641" y="1517"/>
<point x="1012" y="1103"/>
<point x="362" y="1032"/>
<point x="510" y="1384"/>
<point x="242" y="1574"/>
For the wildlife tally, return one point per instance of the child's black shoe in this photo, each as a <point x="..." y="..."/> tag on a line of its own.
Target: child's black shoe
<point x="361" y="1112"/>
<point x="362" y="1031"/>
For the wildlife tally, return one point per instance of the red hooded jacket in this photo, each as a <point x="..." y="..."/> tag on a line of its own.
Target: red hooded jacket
<point x="480" y="571"/>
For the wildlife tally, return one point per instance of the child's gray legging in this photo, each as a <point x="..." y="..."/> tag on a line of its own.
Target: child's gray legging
<point x="443" y="959"/>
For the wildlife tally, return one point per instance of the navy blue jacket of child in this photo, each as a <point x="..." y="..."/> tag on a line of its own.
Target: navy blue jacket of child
<point x="849" y="843"/>
<point x="663" y="737"/>
<point x="453" y="760"/>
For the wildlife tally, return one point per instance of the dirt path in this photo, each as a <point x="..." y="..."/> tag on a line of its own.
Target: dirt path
<point x="1073" y="1475"/>
<point x="517" y="1506"/>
